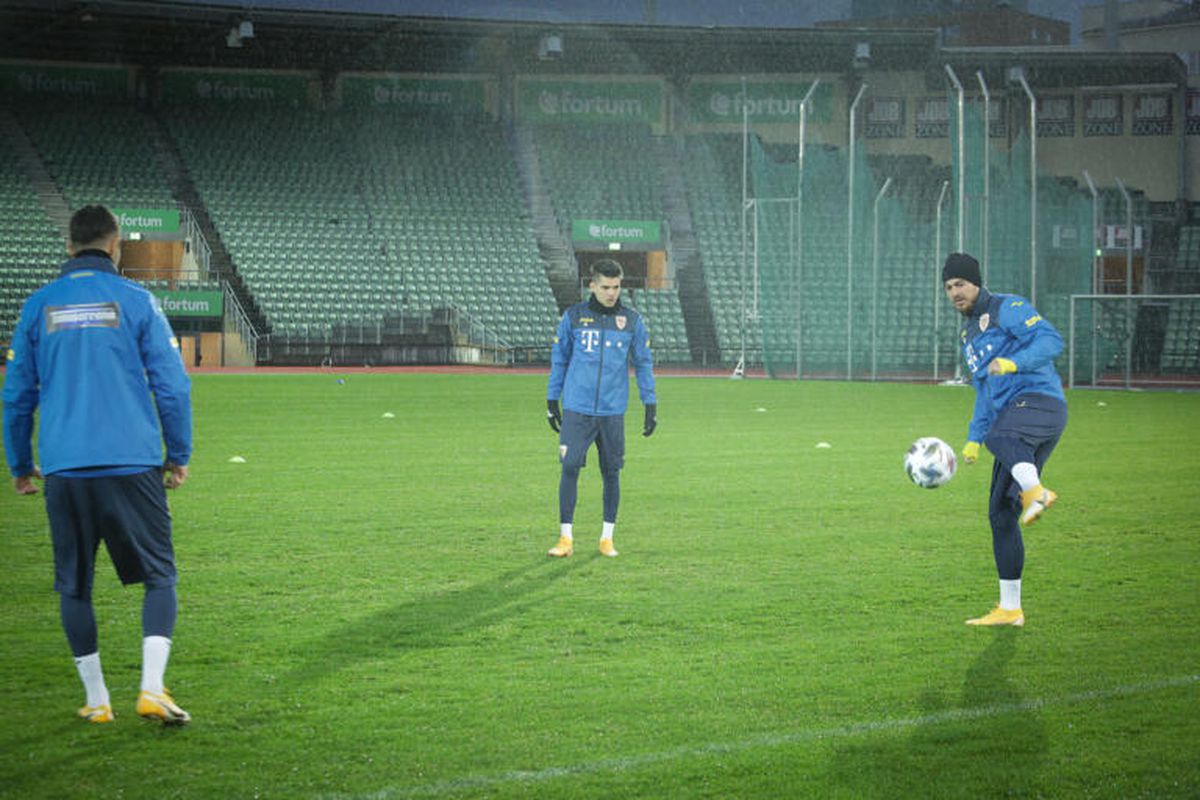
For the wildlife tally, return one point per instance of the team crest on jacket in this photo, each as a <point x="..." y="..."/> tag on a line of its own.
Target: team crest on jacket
<point x="984" y="321"/>
<point x="620" y="319"/>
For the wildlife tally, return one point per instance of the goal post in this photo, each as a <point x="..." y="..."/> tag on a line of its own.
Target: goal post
<point x="1133" y="339"/>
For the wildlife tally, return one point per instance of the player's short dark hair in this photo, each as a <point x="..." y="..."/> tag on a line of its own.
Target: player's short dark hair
<point x="91" y="225"/>
<point x="607" y="268"/>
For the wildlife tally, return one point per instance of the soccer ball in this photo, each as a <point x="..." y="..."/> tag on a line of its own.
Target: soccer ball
<point x="930" y="462"/>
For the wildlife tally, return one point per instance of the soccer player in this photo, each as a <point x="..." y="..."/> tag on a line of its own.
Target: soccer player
<point x="1020" y="413"/>
<point x="96" y="355"/>
<point x="589" y="370"/>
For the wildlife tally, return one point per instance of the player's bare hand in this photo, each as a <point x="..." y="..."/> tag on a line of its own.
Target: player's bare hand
<point x="174" y="475"/>
<point x="24" y="483"/>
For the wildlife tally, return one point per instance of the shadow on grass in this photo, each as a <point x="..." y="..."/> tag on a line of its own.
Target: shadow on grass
<point x="436" y="620"/>
<point x="990" y="743"/>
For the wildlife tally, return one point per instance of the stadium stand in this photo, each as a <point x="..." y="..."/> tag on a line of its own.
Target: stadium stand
<point x="30" y="246"/>
<point x="112" y="164"/>
<point x="343" y="218"/>
<point x="714" y="192"/>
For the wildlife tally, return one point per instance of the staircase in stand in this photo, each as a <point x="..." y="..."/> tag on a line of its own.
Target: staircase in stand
<point x="558" y="255"/>
<point x="184" y="191"/>
<point x="48" y="194"/>
<point x="685" y="255"/>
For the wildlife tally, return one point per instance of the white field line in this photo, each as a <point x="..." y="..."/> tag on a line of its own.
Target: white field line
<point x="485" y="781"/>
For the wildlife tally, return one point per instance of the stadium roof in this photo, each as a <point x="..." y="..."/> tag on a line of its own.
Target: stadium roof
<point x="149" y="33"/>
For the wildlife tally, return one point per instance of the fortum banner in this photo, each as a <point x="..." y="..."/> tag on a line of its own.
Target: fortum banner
<point x="626" y="231"/>
<point x="724" y="101"/>
<point x="189" y="303"/>
<point x="36" y="79"/>
<point x="147" y="220"/>
<point x="235" y="87"/>
<point x="414" y="93"/>
<point x="590" y="100"/>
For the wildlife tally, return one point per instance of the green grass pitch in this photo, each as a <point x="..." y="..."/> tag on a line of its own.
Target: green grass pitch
<point x="367" y="610"/>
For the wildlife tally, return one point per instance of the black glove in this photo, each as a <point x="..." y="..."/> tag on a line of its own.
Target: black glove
<point x="553" y="415"/>
<point x="651" y="419"/>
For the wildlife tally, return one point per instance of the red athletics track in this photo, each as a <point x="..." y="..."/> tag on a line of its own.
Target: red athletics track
<point x="675" y="372"/>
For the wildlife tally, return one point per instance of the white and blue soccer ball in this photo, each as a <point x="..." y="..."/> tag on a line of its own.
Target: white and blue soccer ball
<point x="930" y="462"/>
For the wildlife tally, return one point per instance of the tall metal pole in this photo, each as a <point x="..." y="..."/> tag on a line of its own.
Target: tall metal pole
<point x="850" y="240"/>
<point x="745" y="208"/>
<point x="875" y="275"/>
<point x="1032" y="189"/>
<point x="962" y="157"/>
<point x="1130" y="322"/>
<point x="1099" y="309"/>
<point x="800" y="138"/>
<point x="987" y="175"/>
<point x="937" y="265"/>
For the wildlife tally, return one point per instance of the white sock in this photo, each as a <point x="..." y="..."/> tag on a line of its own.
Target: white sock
<point x="93" y="679"/>
<point x="1025" y="474"/>
<point x="1010" y="594"/>
<point x="155" y="652"/>
<point x="607" y="531"/>
<point x="565" y="531"/>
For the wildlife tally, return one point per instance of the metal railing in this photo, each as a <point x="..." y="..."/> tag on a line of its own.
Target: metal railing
<point x="236" y="321"/>
<point x="196" y="241"/>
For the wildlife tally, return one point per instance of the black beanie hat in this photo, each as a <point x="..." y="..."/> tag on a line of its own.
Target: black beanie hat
<point x="961" y="265"/>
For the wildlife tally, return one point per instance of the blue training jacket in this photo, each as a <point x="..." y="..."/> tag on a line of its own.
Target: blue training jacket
<point x="1007" y="326"/>
<point x="89" y="349"/>
<point x="589" y="363"/>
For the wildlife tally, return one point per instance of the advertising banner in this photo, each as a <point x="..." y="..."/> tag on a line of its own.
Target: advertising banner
<point x="720" y="100"/>
<point x="235" y="87"/>
<point x="1152" y="115"/>
<point x="147" y="220"/>
<point x="1056" y="116"/>
<point x="589" y="100"/>
<point x="416" y="93"/>
<point x="38" y="79"/>
<point x="932" y="118"/>
<point x="884" y="118"/>
<point x="626" y="231"/>
<point x="1102" y="115"/>
<point x="189" y="303"/>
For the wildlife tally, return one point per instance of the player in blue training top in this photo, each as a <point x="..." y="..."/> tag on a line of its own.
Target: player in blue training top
<point x="589" y="370"/>
<point x="1020" y="413"/>
<point x="95" y="354"/>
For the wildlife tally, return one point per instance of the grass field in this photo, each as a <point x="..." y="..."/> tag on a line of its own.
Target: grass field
<point x="367" y="611"/>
